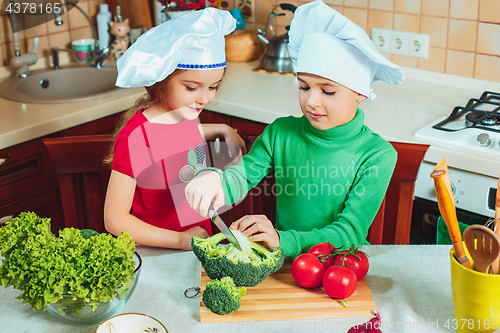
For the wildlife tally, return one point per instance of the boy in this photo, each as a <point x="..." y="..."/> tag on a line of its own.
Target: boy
<point x="331" y="170"/>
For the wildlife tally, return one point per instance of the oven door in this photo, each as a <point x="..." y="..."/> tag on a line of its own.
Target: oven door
<point x="474" y="196"/>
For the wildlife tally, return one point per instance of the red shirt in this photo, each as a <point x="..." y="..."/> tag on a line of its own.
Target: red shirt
<point x="162" y="158"/>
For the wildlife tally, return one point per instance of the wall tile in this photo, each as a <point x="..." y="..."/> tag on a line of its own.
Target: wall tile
<point x="81" y="33"/>
<point x="436" y="28"/>
<point x="404" y="61"/>
<point x="8" y="51"/>
<point x="462" y="35"/>
<point x="435" y="7"/>
<point x="340" y="9"/>
<point x="435" y="62"/>
<point x="356" y="3"/>
<point x="262" y="10"/>
<point x="460" y="63"/>
<point x="488" y="38"/>
<point x="464" y="9"/>
<point x="7" y="31"/>
<point x="54" y="29"/>
<point x="333" y="2"/>
<point x="40" y="30"/>
<point x="489" y="11"/>
<point x="487" y="68"/>
<point x="407" y="6"/>
<point x="407" y="22"/>
<point x="379" y="19"/>
<point x="358" y="16"/>
<point x="381" y="4"/>
<point x="61" y="40"/>
<point x="76" y="18"/>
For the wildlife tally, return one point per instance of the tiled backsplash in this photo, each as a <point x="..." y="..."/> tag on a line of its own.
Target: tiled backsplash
<point x="75" y="26"/>
<point x="464" y="34"/>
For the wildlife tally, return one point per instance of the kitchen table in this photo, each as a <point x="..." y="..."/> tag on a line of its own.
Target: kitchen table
<point x="409" y="283"/>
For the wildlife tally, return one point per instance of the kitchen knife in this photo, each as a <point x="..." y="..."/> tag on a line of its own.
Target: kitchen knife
<point x="449" y="215"/>
<point x="214" y="217"/>
<point x="496" y="228"/>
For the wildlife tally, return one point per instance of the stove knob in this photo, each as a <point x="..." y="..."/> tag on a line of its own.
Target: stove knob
<point x="484" y="140"/>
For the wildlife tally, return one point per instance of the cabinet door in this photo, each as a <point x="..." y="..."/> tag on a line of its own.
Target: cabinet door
<point x="24" y="169"/>
<point x="44" y="204"/>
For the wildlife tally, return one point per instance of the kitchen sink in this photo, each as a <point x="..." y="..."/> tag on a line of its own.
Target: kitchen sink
<point x="71" y="84"/>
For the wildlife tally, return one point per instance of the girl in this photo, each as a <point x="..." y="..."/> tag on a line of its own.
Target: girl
<point x="161" y="145"/>
<point x="331" y="170"/>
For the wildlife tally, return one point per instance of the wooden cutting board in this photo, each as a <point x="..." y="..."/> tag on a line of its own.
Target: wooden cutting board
<point x="279" y="297"/>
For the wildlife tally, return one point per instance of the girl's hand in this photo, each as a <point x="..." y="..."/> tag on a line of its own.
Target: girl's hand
<point x="259" y="228"/>
<point x="186" y="235"/>
<point x="202" y="189"/>
<point x="235" y="143"/>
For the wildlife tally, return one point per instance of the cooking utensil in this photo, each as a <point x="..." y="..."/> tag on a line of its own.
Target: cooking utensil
<point x="447" y="210"/>
<point x="496" y="228"/>
<point x="276" y="57"/>
<point x="483" y="246"/>
<point x="214" y="217"/>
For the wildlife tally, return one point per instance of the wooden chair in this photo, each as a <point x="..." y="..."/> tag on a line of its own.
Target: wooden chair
<point x="392" y="223"/>
<point x="83" y="178"/>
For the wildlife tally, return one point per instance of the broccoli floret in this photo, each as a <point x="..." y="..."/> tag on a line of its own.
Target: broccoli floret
<point x="222" y="296"/>
<point x="247" y="268"/>
<point x="87" y="233"/>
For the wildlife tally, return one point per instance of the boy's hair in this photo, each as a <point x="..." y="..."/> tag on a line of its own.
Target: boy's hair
<point x="155" y="95"/>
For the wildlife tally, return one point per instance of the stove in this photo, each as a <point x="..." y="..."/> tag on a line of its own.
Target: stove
<point x="474" y="126"/>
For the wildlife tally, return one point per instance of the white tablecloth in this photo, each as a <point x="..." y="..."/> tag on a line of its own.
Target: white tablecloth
<point x="410" y="285"/>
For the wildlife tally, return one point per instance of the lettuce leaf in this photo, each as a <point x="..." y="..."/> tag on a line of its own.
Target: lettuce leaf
<point x="45" y="267"/>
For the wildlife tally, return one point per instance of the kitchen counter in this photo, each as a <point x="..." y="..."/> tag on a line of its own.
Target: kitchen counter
<point x="396" y="113"/>
<point x="411" y="292"/>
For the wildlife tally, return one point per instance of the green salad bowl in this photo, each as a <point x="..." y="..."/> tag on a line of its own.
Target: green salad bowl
<point x="63" y="309"/>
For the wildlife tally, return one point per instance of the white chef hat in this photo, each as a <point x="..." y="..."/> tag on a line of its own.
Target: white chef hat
<point x="323" y="42"/>
<point x="192" y="41"/>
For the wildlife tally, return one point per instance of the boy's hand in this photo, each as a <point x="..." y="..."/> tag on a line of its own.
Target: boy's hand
<point x="259" y="229"/>
<point x="202" y="189"/>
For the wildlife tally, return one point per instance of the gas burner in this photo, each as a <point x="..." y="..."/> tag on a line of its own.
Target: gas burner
<point x="483" y="118"/>
<point x="475" y="126"/>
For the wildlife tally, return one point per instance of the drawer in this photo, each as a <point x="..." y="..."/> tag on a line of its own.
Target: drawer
<point x="211" y="117"/>
<point x="25" y="168"/>
<point x="44" y="204"/>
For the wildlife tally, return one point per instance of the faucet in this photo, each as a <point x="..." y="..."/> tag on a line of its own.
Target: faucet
<point x="21" y="62"/>
<point x="55" y="56"/>
<point x="99" y="55"/>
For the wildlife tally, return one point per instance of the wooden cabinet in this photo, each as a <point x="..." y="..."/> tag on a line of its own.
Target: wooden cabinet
<point x="28" y="181"/>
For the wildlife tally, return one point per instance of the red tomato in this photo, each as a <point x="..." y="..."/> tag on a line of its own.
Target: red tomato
<point x="355" y="260"/>
<point x="339" y="282"/>
<point x="324" y="253"/>
<point x="308" y="271"/>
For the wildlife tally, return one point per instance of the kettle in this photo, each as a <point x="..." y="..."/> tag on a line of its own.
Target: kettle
<point x="276" y="57"/>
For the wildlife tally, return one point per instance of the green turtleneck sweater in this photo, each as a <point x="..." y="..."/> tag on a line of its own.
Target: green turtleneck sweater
<point x="329" y="183"/>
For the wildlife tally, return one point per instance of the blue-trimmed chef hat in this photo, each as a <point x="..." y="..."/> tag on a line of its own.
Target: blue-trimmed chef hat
<point x="323" y="42"/>
<point x="192" y="41"/>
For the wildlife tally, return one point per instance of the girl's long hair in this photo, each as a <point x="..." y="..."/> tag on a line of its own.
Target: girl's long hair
<point x="155" y="95"/>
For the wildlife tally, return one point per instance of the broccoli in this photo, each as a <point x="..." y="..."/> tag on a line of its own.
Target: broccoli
<point x="222" y="296"/>
<point x="87" y="233"/>
<point x="247" y="268"/>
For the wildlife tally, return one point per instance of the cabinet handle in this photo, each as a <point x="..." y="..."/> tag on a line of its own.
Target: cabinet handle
<point x="5" y="219"/>
<point x="4" y="159"/>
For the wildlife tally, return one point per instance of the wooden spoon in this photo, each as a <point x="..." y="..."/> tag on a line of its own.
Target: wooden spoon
<point x="483" y="246"/>
<point x="448" y="212"/>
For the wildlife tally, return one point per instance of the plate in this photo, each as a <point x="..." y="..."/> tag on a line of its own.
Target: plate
<point x="131" y="323"/>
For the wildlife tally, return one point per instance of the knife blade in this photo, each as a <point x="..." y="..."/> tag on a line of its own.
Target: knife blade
<point x="215" y="218"/>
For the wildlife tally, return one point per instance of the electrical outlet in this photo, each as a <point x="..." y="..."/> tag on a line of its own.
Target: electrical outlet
<point x="401" y="42"/>
<point x="381" y="38"/>
<point x="418" y="46"/>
